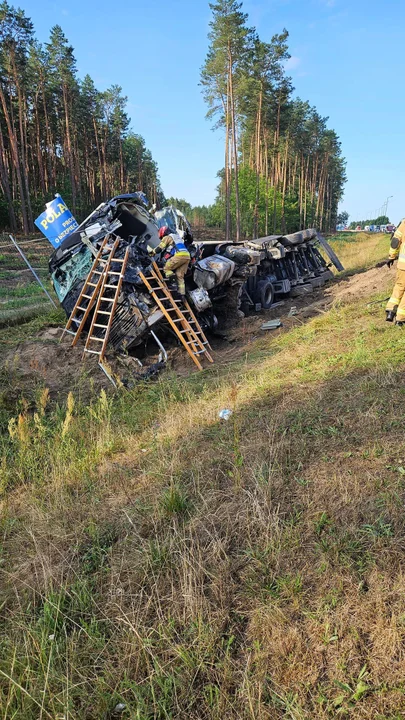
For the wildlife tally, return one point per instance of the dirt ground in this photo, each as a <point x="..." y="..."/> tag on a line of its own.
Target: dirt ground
<point x="44" y="359"/>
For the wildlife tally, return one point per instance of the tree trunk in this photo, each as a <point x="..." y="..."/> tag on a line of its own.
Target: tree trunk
<point x="283" y="224"/>
<point x="258" y="134"/>
<point x="227" y="183"/>
<point x="121" y="164"/>
<point x="39" y="150"/>
<point x="16" y="160"/>
<point x="235" y="144"/>
<point x="22" y="127"/>
<point x="69" y="147"/>
<point x="5" y="185"/>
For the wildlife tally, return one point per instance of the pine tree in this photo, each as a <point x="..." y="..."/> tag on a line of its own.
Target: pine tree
<point x="283" y="166"/>
<point x="65" y="88"/>
<point x="16" y="36"/>
<point x="60" y="134"/>
<point x="221" y="77"/>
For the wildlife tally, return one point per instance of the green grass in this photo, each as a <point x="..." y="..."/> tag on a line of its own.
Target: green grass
<point x="24" y="291"/>
<point x="155" y="556"/>
<point x="360" y="251"/>
<point x="21" y="296"/>
<point x="18" y="330"/>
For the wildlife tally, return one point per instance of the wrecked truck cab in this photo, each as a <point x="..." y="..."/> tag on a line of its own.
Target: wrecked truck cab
<point x="125" y="216"/>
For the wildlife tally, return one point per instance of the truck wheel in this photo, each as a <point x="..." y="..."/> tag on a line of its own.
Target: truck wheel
<point x="265" y="294"/>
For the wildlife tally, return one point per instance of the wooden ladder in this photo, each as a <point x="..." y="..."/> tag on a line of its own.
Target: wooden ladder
<point x="102" y="318"/>
<point x="179" y="316"/>
<point x="87" y="296"/>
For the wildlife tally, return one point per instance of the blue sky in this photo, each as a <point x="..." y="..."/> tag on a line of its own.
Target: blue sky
<point x="346" y="60"/>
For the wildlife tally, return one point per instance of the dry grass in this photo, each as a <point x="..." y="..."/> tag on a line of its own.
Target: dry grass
<point x="191" y="568"/>
<point x="360" y="251"/>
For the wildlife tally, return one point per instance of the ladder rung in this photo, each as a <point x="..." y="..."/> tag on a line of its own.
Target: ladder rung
<point x="110" y="286"/>
<point x="104" y="299"/>
<point x="92" y="284"/>
<point x="102" y="326"/>
<point x="95" y="338"/>
<point x="88" y="297"/>
<point x="103" y="312"/>
<point x="112" y="272"/>
<point x="81" y="308"/>
<point x="93" y="352"/>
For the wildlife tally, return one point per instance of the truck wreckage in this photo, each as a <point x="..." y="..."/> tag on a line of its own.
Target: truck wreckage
<point x="223" y="280"/>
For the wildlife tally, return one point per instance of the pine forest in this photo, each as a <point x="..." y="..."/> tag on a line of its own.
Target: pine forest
<point x="283" y="167"/>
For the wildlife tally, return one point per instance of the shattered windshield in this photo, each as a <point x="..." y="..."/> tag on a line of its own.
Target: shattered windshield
<point x="74" y="269"/>
<point x="166" y="217"/>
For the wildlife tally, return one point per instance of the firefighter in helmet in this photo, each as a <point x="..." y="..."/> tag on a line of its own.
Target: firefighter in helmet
<point x="175" y="255"/>
<point x="395" y="309"/>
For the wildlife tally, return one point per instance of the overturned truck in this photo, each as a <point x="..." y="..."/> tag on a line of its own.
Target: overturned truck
<point x="223" y="279"/>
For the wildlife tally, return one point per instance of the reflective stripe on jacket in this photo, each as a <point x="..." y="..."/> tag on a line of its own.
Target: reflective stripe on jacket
<point x="179" y="248"/>
<point x="399" y="252"/>
<point x="174" y="245"/>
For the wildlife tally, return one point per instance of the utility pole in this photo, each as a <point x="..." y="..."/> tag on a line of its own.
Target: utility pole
<point x="386" y="205"/>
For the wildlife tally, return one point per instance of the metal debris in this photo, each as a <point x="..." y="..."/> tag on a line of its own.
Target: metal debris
<point x="119" y="708"/>
<point x="272" y="324"/>
<point x="225" y="414"/>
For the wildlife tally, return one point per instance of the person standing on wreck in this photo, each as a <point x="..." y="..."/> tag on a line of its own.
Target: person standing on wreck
<point x="175" y="255"/>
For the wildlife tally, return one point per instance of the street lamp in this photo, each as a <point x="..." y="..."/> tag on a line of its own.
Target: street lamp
<point x="386" y="205"/>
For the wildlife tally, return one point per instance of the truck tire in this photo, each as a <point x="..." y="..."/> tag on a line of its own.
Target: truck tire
<point x="265" y="293"/>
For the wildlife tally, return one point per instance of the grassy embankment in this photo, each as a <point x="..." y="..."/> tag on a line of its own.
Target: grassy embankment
<point x="189" y="568"/>
<point x="21" y="298"/>
<point x="359" y="251"/>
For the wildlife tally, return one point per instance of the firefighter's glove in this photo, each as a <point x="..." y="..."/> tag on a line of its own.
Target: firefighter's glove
<point x="390" y="262"/>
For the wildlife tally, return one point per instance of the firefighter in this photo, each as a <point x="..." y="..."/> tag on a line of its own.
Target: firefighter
<point x="175" y="255"/>
<point x="395" y="309"/>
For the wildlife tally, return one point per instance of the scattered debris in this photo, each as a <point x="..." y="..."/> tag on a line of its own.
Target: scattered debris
<point x="119" y="708"/>
<point x="225" y="414"/>
<point x="377" y="302"/>
<point x="293" y="311"/>
<point x="272" y="324"/>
